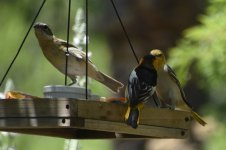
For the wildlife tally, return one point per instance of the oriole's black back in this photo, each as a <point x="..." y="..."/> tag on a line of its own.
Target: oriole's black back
<point x="141" y="85"/>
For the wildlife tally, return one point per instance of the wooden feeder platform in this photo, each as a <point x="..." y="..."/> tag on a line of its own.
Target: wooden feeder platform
<point x="84" y="119"/>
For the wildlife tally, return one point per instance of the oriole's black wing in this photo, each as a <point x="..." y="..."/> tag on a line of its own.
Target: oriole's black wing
<point x="141" y="85"/>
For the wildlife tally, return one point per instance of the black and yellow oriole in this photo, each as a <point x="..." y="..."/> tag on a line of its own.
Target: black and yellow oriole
<point x="141" y="86"/>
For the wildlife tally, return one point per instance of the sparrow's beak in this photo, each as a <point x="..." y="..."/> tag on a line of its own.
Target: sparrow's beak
<point x="43" y="28"/>
<point x="39" y="25"/>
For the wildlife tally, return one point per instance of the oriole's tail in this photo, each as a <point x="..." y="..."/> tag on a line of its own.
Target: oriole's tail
<point x="132" y="117"/>
<point x="198" y="118"/>
<point x="111" y="83"/>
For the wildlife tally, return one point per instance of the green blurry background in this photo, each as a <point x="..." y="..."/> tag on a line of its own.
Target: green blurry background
<point x="195" y="48"/>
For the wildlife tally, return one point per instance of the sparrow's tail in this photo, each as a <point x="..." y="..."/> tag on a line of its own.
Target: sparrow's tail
<point x="198" y="118"/>
<point x="111" y="83"/>
<point x="132" y="117"/>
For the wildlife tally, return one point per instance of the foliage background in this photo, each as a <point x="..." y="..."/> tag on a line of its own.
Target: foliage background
<point x="201" y="54"/>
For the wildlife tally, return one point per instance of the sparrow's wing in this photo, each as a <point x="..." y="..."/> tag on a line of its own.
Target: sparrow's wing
<point x="73" y="50"/>
<point x="64" y="43"/>
<point x="77" y="53"/>
<point x="173" y="76"/>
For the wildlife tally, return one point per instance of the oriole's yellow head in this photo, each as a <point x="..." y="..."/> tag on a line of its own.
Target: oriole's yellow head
<point x="159" y="60"/>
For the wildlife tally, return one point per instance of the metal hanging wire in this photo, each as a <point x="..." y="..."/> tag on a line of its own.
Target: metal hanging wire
<point x="68" y="34"/>
<point x="22" y="43"/>
<point x="128" y="39"/>
<point x="67" y="53"/>
<point x="87" y="47"/>
<point x="124" y="29"/>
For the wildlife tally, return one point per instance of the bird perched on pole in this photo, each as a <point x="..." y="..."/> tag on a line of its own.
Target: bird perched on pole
<point x="168" y="89"/>
<point x="140" y="88"/>
<point x="55" y="49"/>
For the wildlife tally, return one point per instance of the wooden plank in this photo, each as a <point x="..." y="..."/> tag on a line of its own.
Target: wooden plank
<point x="54" y="132"/>
<point x="91" y="110"/>
<point x="36" y="107"/>
<point x="61" y="114"/>
<point x="101" y="111"/>
<point x="68" y="133"/>
<point x="166" y="118"/>
<point x="48" y="127"/>
<point x="144" y="130"/>
<point x="34" y="123"/>
<point x="149" y="116"/>
<point x="150" y="131"/>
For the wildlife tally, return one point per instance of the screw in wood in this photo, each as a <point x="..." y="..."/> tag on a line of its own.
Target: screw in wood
<point x="63" y="120"/>
<point x="67" y="106"/>
<point x="186" y="119"/>
<point x="182" y="133"/>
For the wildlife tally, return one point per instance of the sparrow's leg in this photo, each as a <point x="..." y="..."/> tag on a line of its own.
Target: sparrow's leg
<point x="157" y="102"/>
<point x="74" y="81"/>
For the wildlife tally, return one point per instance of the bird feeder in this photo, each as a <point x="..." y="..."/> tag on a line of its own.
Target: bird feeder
<point x="60" y="91"/>
<point x="84" y="119"/>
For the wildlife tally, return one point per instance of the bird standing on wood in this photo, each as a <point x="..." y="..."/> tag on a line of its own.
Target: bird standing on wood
<point x="55" y="49"/>
<point x="168" y="89"/>
<point x="140" y="88"/>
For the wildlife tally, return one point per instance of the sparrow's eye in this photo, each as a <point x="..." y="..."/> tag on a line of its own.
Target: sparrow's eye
<point x="47" y="30"/>
<point x="45" y="27"/>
